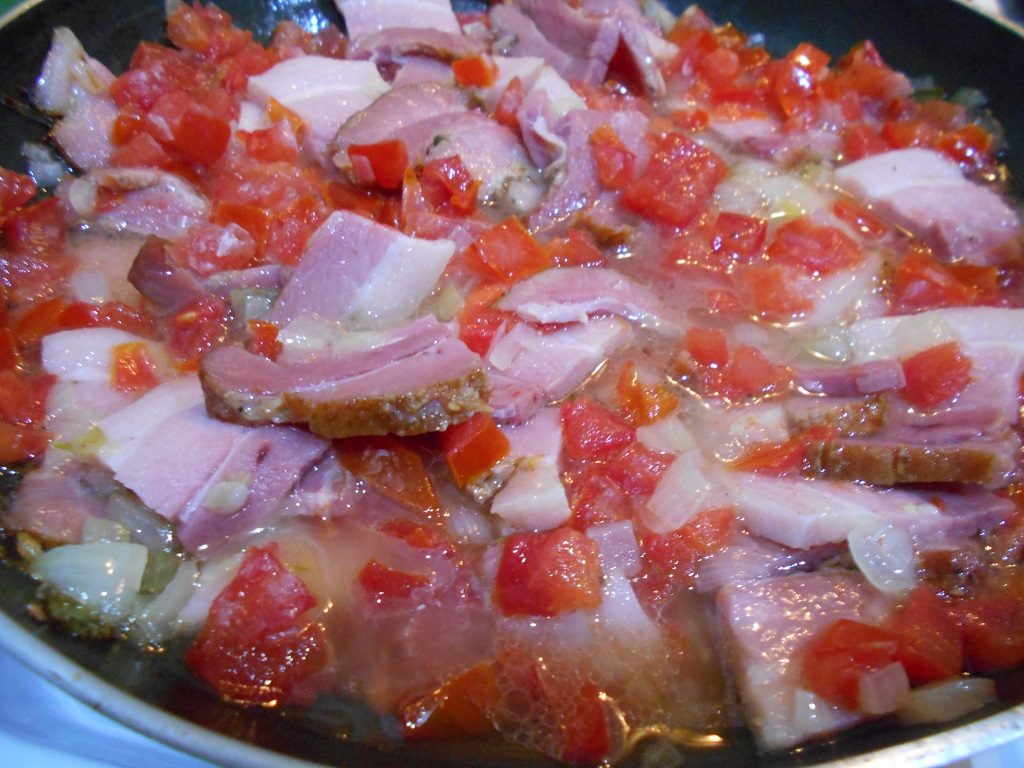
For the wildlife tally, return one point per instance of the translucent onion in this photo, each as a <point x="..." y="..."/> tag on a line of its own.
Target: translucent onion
<point x="946" y="700"/>
<point x="885" y="555"/>
<point x="881" y="691"/>
<point x="618" y="547"/>
<point x="668" y="435"/>
<point x="162" y="615"/>
<point x="102" y="577"/>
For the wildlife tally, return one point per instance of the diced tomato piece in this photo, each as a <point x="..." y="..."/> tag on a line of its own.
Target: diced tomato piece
<point x="922" y="283"/>
<point x="614" y="160"/>
<point x="591" y="431"/>
<point x="795" y="78"/>
<point x="642" y="403"/>
<point x="413" y="533"/>
<point x="257" y="646"/>
<point x="737" y="237"/>
<point x="936" y="375"/>
<point x="677" y="183"/>
<point x="637" y="469"/>
<point x="23" y="399"/>
<point x="859" y="218"/>
<point x="292" y="227"/>
<point x="992" y="626"/>
<point x="506" y="112"/>
<point x="195" y="329"/>
<point x="594" y="499"/>
<point x="448" y="187"/>
<point x="38" y="228"/>
<point x="864" y="72"/>
<point x="393" y="468"/>
<point x="860" y="141"/>
<point x="383" y="584"/>
<point x="211" y="248"/>
<point x="901" y="134"/>
<point x="707" y="346"/>
<point x="263" y="339"/>
<point x="970" y="146"/>
<point x="479" y="322"/>
<point x="507" y="253"/>
<point x="584" y="735"/>
<point x="20" y="443"/>
<point x="16" y="189"/>
<point x="931" y="647"/>
<point x="473" y="447"/>
<point x="576" y="249"/>
<point x="681" y="550"/>
<point x="202" y="136"/>
<point x="10" y="358"/>
<point x="818" y="249"/>
<point x="719" y="67"/>
<point x="383" y="163"/>
<point x="133" y="369"/>
<point x="476" y="71"/>
<point x="545" y="574"/>
<point x="777" y="293"/>
<point x="836" y="659"/>
<point x="457" y="708"/>
<point x="155" y="70"/>
<point x="255" y="219"/>
<point x="41" y="319"/>
<point x="751" y="373"/>
<point x="143" y="151"/>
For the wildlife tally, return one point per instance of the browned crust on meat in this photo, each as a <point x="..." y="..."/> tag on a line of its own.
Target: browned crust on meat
<point x="413" y="413"/>
<point x="851" y="460"/>
<point x="863" y="417"/>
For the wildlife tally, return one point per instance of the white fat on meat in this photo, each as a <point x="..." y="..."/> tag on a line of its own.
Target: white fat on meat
<point x="88" y="354"/>
<point x="68" y="75"/>
<point x="533" y="497"/>
<point x="366" y="17"/>
<point x="83" y="134"/>
<point x="362" y="273"/>
<point x="560" y="361"/>
<point x="546" y="101"/>
<point x="573" y="294"/>
<point x="324" y="92"/>
<point x="149" y="202"/>
<point x="925" y="192"/>
<point x="767" y="625"/>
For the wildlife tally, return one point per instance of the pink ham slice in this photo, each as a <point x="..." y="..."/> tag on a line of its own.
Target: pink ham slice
<point x="573" y="294"/>
<point x="926" y="193"/>
<point x="248" y="488"/>
<point x="767" y="625"/>
<point x="541" y="367"/>
<point x="420" y="379"/>
<point x="366" y="17"/>
<point x="324" y="92"/>
<point x="357" y="270"/>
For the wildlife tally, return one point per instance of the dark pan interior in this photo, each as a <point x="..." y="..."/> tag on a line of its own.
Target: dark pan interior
<point x="921" y="37"/>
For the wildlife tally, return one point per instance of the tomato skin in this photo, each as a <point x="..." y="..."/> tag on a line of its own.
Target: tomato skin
<point x="680" y="551"/>
<point x="993" y="631"/>
<point x="475" y="71"/>
<point x="817" y="249"/>
<point x="38" y="228"/>
<point x="931" y="647"/>
<point x="507" y="253"/>
<point x="677" y="182"/>
<point x="479" y="323"/>
<point x="836" y="659"/>
<point x="383" y="584"/>
<point x="936" y="375"/>
<point x="614" y="161"/>
<point x="922" y="283"/>
<point x="256" y="647"/>
<point x="595" y="499"/>
<point x="391" y="467"/>
<point x="132" y="369"/>
<point x="472" y="447"/>
<point x="637" y="469"/>
<point x="196" y="328"/>
<point x="857" y="217"/>
<point x="576" y="249"/>
<point x="591" y="431"/>
<point x="16" y="189"/>
<point x="448" y="187"/>
<point x="457" y="708"/>
<point x="642" y="403"/>
<point x="545" y="574"/>
<point x="736" y="237"/>
<point x="383" y="163"/>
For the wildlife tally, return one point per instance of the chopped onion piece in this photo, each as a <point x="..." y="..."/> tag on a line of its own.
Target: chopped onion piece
<point x="97" y="529"/>
<point x="881" y="691"/>
<point x="617" y="546"/>
<point x="103" y="577"/>
<point x="946" y="700"/>
<point x="667" y="435"/>
<point x="885" y="555"/>
<point x="162" y="616"/>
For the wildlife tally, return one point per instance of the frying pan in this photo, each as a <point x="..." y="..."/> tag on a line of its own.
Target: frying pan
<point x="155" y="694"/>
